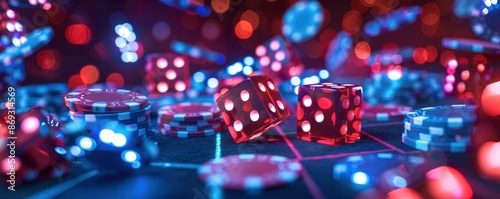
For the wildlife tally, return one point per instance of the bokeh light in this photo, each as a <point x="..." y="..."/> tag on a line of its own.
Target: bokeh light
<point x="488" y="161"/>
<point x="116" y="80"/>
<point x="447" y="182"/>
<point x="362" y="50"/>
<point x="78" y="34"/>
<point x="75" y="81"/>
<point x="490" y="98"/>
<point x="211" y="30"/>
<point x="420" y="55"/>
<point x="220" y="6"/>
<point x="161" y="30"/>
<point x="251" y="17"/>
<point x="49" y="59"/>
<point x="89" y="74"/>
<point x="243" y="29"/>
<point x="352" y="22"/>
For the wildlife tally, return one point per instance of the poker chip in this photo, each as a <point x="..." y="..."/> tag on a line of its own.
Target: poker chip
<point x="29" y="3"/>
<point x="452" y="147"/>
<point x="34" y="40"/>
<point x="189" y="111"/>
<point x="197" y="52"/>
<point x="384" y="112"/>
<point x="392" y="21"/>
<point x="250" y="171"/>
<point x="338" y="51"/>
<point x="190" y="134"/>
<point x="93" y="120"/>
<point x="451" y="116"/>
<point x="471" y="45"/>
<point x="484" y="21"/>
<point x="302" y="21"/>
<point x="382" y="58"/>
<point x="361" y="172"/>
<point x="119" y="116"/>
<point x="216" y="120"/>
<point x="464" y="8"/>
<point x="438" y="130"/>
<point x="105" y="100"/>
<point x="404" y="87"/>
<point x="190" y="128"/>
<point x="434" y="138"/>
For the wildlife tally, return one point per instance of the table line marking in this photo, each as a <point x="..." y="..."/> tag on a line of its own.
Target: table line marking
<point x="174" y="165"/>
<point x="56" y="190"/>
<point x="310" y="184"/>
<point x="338" y="155"/>
<point x="383" y="142"/>
<point x="288" y="142"/>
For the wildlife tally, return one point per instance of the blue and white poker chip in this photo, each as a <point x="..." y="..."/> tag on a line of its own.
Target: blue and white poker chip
<point x="451" y="116"/>
<point x="302" y="21"/>
<point x="423" y="145"/>
<point x="338" y="51"/>
<point x="392" y="21"/>
<point x="361" y="172"/>
<point x="438" y="130"/>
<point x="34" y="41"/>
<point x="484" y="21"/>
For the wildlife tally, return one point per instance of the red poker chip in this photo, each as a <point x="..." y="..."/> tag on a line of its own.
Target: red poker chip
<point x="384" y="112"/>
<point x="191" y="134"/>
<point x="250" y="171"/>
<point x="190" y="123"/>
<point x="189" y="111"/>
<point x="190" y="128"/>
<point x="105" y="101"/>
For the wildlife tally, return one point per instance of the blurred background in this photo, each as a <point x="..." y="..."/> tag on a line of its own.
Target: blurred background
<point x="83" y="50"/>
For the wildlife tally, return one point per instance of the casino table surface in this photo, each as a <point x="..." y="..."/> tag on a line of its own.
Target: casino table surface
<point x="174" y="172"/>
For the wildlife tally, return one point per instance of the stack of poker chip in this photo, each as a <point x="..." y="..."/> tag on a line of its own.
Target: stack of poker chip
<point x="190" y="119"/>
<point x="403" y="87"/>
<point x="49" y="96"/>
<point x="447" y="128"/>
<point x="126" y="112"/>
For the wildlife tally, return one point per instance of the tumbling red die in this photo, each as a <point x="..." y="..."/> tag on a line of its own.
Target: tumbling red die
<point x="166" y="73"/>
<point x="278" y="59"/>
<point x="252" y="107"/>
<point x="329" y="113"/>
<point x="39" y="147"/>
<point x="226" y="84"/>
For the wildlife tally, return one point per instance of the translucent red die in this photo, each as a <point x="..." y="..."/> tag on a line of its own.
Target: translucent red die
<point x="166" y="73"/>
<point x="252" y="107"/>
<point x="329" y="113"/>
<point x="277" y="59"/>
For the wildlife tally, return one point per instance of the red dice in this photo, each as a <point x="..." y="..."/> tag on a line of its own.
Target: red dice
<point x="252" y="107"/>
<point x="38" y="152"/>
<point x="278" y="59"/>
<point x="226" y="84"/>
<point x="166" y="73"/>
<point x="329" y="113"/>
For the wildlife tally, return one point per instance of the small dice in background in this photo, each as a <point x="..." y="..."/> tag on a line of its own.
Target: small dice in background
<point x="166" y="73"/>
<point x="329" y="113"/>
<point x="278" y="59"/>
<point x="252" y="107"/>
<point x="226" y="84"/>
<point x="467" y="80"/>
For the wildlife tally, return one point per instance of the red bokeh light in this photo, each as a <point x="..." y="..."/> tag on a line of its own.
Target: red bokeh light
<point x="116" y="80"/>
<point x="447" y="182"/>
<point x="49" y="59"/>
<point x="89" y="74"/>
<point x="78" y="34"/>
